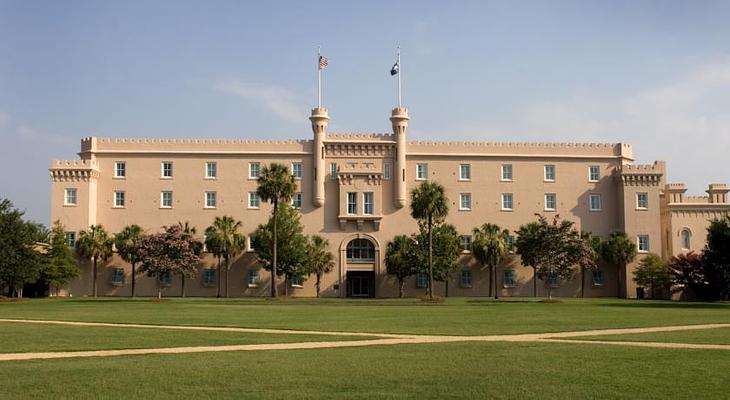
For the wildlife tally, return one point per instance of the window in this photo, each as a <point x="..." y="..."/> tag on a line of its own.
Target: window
<point x="464" y="201"/>
<point x="367" y="203"/>
<point x="465" y="172"/>
<point x="507" y="201"/>
<point x="120" y="169"/>
<point x="421" y="172"/>
<point x="166" y="279"/>
<point x="643" y="243"/>
<point x="465" y="278"/>
<point x="296" y="200"/>
<point x="421" y="280"/>
<point x="506" y="172"/>
<point x="686" y="236"/>
<point x="333" y="171"/>
<point x="71" y="239"/>
<point x="642" y="201"/>
<point x="118" y="199"/>
<point x="166" y="199"/>
<point x="211" y="170"/>
<point x="253" y="170"/>
<point x="509" y="278"/>
<point x="351" y="203"/>
<point x="510" y="241"/>
<point x="553" y="280"/>
<point x="594" y="173"/>
<point x="386" y="170"/>
<point x="360" y="250"/>
<point x="296" y="170"/>
<point x="550" y="201"/>
<point x="69" y="197"/>
<point x="166" y="169"/>
<point x="594" y="202"/>
<point x="466" y="242"/>
<point x="211" y="200"/>
<point x="253" y="278"/>
<point x="209" y="277"/>
<point x="550" y="173"/>
<point x="254" y="201"/>
<point x="295" y="281"/>
<point x="117" y="277"/>
<point x="597" y="277"/>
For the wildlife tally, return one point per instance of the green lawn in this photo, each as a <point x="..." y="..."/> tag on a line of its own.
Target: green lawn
<point x="705" y="336"/>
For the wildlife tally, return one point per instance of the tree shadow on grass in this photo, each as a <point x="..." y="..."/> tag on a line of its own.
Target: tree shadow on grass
<point x="668" y="305"/>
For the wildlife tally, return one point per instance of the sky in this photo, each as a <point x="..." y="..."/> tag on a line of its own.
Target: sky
<point x="652" y="73"/>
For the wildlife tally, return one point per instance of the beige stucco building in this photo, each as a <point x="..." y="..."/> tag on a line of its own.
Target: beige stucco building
<point x="354" y="190"/>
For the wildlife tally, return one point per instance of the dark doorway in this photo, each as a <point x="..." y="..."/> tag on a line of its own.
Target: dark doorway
<point x="361" y="284"/>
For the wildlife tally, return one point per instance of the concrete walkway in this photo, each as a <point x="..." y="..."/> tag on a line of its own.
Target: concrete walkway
<point x="379" y="340"/>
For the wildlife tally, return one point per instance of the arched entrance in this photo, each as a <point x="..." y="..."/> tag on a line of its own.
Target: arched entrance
<point x="359" y="265"/>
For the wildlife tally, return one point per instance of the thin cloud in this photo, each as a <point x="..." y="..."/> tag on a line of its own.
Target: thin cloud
<point x="278" y="100"/>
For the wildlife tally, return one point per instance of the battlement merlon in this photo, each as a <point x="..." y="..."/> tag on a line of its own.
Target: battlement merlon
<point x="92" y="146"/>
<point x="65" y="170"/>
<point x="620" y="151"/>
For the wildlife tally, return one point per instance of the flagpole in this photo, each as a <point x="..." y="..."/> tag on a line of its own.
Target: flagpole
<point x="319" y="78"/>
<point x="400" y="71"/>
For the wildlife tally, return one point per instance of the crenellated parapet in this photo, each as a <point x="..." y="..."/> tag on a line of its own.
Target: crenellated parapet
<point x="359" y="150"/>
<point x="73" y="170"/>
<point x="526" y="149"/>
<point x="353" y="136"/>
<point x="91" y="145"/>
<point x="641" y="174"/>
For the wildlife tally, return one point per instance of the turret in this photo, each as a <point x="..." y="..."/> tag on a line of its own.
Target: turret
<point x="399" y="119"/>
<point x="320" y="119"/>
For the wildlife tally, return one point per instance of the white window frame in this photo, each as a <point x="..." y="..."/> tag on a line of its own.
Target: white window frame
<point x="333" y="171"/>
<point x="70" y="239"/>
<point x="123" y="169"/>
<point x="297" y="166"/>
<point x="163" y="169"/>
<point x="464" y="167"/>
<point x="505" y="170"/>
<point x="208" y="170"/>
<point x="116" y="197"/>
<point x="466" y="241"/>
<point x="421" y="168"/>
<point x="387" y="170"/>
<point x="512" y="282"/>
<point x="554" y="201"/>
<point x="464" y="197"/>
<point x="639" y="206"/>
<point x="253" y="278"/>
<point x="162" y="198"/>
<point x="510" y="242"/>
<point x="70" y="194"/>
<point x="214" y="197"/>
<point x="466" y="278"/>
<point x="592" y="196"/>
<point x="547" y="167"/>
<point x="296" y="200"/>
<point x="590" y="173"/>
<point x="251" y="166"/>
<point x="351" y="203"/>
<point x="254" y="201"/>
<point x="645" y="239"/>
<point x="504" y="197"/>
<point x="368" y="201"/>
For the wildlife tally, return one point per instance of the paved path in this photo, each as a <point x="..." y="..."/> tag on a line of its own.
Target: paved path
<point x="379" y="340"/>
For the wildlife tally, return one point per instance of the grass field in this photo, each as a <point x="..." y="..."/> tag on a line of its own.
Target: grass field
<point x="418" y="371"/>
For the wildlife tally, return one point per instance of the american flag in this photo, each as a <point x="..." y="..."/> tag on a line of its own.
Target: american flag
<point x="323" y="62"/>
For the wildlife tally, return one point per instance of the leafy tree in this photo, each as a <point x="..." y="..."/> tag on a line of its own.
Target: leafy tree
<point x="224" y="241"/>
<point x="291" y="247"/>
<point x="443" y="248"/>
<point x="489" y="247"/>
<point x="430" y="206"/>
<point x="557" y="248"/>
<point x="168" y="252"/>
<point x="618" y="250"/>
<point x="526" y="245"/>
<point x="127" y="242"/>
<point x="717" y="257"/>
<point x="189" y="231"/>
<point x="277" y="186"/>
<point x="400" y="256"/>
<point x="594" y="243"/>
<point x="652" y="272"/>
<point x="60" y="266"/>
<point x="688" y="270"/>
<point x="19" y="262"/>
<point x="319" y="260"/>
<point x="94" y="244"/>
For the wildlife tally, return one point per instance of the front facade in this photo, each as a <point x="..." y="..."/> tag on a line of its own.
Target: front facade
<point x="354" y="190"/>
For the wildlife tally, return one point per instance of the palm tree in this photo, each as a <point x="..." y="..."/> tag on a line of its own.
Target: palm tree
<point x="619" y="250"/>
<point x="490" y="248"/>
<point x="189" y="232"/>
<point x="127" y="242"/>
<point x="594" y="245"/>
<point x="399" y="255"/>
<point x="276" y="185"/>
<point x="226" y="241"/>
<point x="94" y="244"/>
<point x="429" y="205"/>
<point x="320" y="260"/>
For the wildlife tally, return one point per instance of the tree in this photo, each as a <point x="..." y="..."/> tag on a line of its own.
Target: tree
<point x="443" y="249"/>
<point x="716" y="257"/>
<point x="127" y="242"/>
<point x="169" y="252"/>
<point x="291" y="247"/>
<point x="400" y="254"/>
<point x="618" y="250"/>
<point x="652" y="272"/>
<point x="225" y="241"/>
<point x="19" y="262"/>
<point x="557" y="249"/>
<point x="60" y="266"/>
<point x="489" y="247"/>
<point x="594" y="243"/>
<point x="688" y="270"/>
<point x="189" y="232"/>
<point x="429" y="205"/>
<point x="94" y="244"/>
<point x="527" y="246"/>
<point x="319" y="260"/>
<point x="277" y="186"/>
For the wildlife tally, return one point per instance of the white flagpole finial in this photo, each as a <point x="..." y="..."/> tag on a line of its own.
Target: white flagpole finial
<point x="400" y="72"/>
<point x="319" y="77"/>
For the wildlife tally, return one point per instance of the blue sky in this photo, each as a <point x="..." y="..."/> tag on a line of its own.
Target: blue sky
<point x="655" y="74"/>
